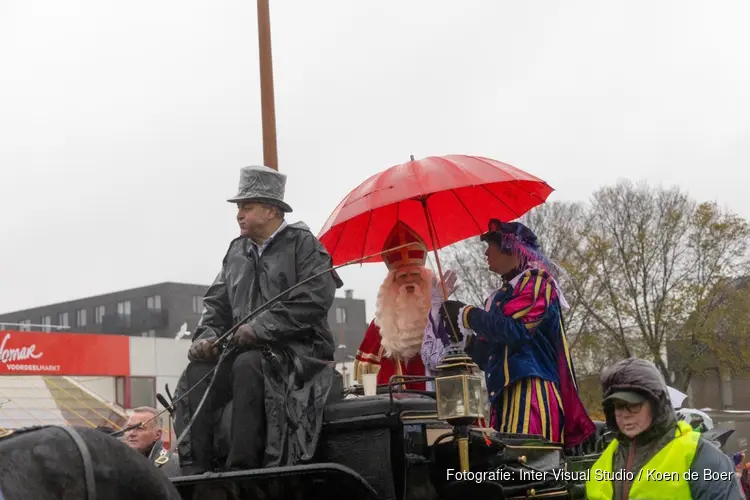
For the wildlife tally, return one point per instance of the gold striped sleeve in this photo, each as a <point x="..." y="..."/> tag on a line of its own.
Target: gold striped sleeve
<point x="537" y="288"/>
<point x="465" y="317"/>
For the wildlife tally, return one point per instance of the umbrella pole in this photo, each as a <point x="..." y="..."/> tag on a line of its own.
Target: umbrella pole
<point x="433" y="240"/>
<point x="460" y="426"/>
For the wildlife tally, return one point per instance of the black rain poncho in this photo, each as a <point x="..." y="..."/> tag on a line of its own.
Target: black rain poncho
<point x="298" y="365"/>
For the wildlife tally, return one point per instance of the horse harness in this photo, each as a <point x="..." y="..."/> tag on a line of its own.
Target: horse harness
<point x="83" y="451"/>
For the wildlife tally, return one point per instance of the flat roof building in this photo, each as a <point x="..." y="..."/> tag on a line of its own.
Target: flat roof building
<point x="160" y="311"/>
<point x="149" y="311"/>
<point x="87" y="361"/>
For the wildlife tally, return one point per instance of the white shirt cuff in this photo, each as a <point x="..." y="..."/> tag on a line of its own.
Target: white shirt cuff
<point x="465" y="332"/>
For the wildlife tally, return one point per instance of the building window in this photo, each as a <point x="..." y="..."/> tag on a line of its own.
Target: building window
<point x="132" y="392"/>
<point x="120" y="391"/>
<point x="99" y="312"/>
<point x="47" y="322"/>
<point x="81" y="317"/>
<point x="123" y="308"/>
<point x="340" y="315"/>
<point x="142" y="391"/>
<point x="123" y="311"/>
<point x="63" y="320"/>
<point x="153" y="303"/>
<point x="197" y="304"/>
<point x="25" y="325"/>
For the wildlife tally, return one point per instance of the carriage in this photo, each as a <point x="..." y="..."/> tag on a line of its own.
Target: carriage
<point x="393" y="446"/>
<point x="406" y="444"/>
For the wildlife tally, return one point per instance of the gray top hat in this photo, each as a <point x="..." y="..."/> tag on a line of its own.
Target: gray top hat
<point x="262" y="185"/>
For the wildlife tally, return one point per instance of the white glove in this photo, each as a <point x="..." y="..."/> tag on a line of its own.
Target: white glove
<point x="450" y="278"/>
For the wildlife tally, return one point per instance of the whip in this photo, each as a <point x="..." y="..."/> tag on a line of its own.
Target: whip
<point x="227" y="349"/>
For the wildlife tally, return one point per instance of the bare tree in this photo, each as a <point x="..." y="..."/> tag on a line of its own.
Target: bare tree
<point x="467" y="259"/>
<point x="643" y="270"/>
<point x="715" y="338"/>
<point x="657" y="255"/>
<point x="558" y="225"/>
<point x="555" y="224"/>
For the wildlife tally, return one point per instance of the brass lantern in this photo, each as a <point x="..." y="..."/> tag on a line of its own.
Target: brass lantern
<point x="459" y="395"/>
<point x="458" y="389"/>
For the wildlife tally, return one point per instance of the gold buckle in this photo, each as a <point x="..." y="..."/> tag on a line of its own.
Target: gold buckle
<point x="162" y="460"/>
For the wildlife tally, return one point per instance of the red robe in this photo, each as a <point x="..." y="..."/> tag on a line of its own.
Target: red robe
<point x="370" y="359"/>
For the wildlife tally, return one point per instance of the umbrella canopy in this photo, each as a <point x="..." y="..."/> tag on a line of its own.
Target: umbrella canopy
<point x="458" y="194"/>
<point x="676" y="397"/>
<point x="690" y="414"/>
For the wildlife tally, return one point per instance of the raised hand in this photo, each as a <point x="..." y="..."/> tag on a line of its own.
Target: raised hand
<point x="450" y="278"/>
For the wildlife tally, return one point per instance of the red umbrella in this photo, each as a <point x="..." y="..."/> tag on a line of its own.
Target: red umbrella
<point x="460" y="194"/>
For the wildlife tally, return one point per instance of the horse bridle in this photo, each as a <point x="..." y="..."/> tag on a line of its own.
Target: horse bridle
<point x="83" y="451"/>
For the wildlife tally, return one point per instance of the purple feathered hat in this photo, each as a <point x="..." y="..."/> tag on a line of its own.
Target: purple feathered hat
<point x="514" y="238"/>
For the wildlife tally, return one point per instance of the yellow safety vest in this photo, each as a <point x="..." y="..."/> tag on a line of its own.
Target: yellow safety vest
<point x="664" y="476"/>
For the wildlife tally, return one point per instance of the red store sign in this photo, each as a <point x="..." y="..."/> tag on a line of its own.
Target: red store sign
<point x="80" y="354"/>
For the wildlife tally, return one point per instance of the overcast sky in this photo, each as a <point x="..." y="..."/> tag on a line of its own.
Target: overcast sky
<point x="123" y="125"/>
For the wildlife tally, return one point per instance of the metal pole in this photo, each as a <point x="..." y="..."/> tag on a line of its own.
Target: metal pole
<point x="268" y="112"/>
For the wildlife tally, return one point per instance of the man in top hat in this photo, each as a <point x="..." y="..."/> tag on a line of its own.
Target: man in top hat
<point x="403" y="312"/>
<point x="280" y="361"/>
<point x="518" y="340"/>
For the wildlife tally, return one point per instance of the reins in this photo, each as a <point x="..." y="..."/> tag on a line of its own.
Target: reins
<point x="224" y="342"/>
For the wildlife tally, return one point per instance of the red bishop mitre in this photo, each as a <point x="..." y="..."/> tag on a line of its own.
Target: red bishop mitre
<point x="413" y="255"/>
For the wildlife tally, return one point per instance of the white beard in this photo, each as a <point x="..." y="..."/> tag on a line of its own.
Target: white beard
<point x="402" y="316"/>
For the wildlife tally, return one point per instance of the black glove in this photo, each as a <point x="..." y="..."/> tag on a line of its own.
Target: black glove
<point x="245" y="336"/>
<point x="203" y="350"/>
<point x="449" y="315"/>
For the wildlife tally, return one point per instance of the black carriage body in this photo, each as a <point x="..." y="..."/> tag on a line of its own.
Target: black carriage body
<point x="378" y="448"/>
<point x="371" y="448"/>
<point x="383" y="439"/>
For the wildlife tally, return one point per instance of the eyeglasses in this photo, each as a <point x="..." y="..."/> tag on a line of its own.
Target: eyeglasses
<point x="628" y="407"/>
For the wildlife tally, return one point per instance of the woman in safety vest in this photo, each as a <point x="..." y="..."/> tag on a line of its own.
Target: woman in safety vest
<point x="654" y="456"/>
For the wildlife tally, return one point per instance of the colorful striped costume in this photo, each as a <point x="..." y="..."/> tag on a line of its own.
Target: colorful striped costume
<point x="519" y="341"/>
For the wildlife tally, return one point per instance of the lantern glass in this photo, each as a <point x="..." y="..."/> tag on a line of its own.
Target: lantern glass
<point x="459" y="396"/>
<point x="450" y="396"/>
<point x="475" y="396"/>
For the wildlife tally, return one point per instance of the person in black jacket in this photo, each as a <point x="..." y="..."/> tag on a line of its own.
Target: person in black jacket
<point x="290" y="340"/>
<point x="147" y="439"/>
